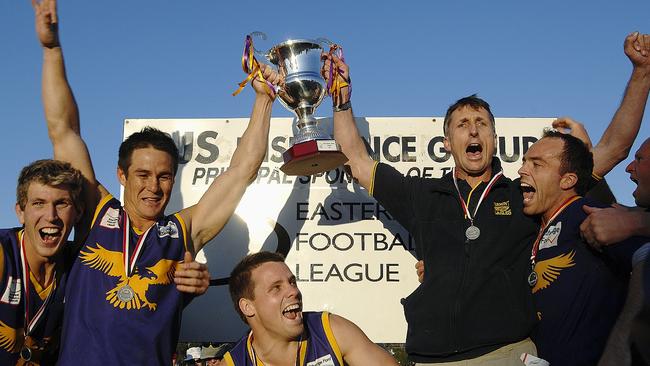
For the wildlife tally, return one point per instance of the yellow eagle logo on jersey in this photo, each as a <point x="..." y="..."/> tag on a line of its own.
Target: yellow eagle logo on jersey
<point x="111" y="263"/>
<point x="549" y="270"/>
<point x="8" y="338"/>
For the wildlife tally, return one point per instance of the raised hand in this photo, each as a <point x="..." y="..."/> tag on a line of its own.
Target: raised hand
<point x="637" y="49"/>
<point x="269" y="75"/>
<point x="343" y="75"/>
<point x="573" y="128"/>
<point x="46" y="22"/>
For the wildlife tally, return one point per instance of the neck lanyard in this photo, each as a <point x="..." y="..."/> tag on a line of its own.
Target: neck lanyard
<point x="532" y="277"/>
<point x="253" y="355"/>
<point x="126" y="292"/>
<point x="129" y="263"/>
<point x="473" y="232"/>
<point x="30" y="324"/>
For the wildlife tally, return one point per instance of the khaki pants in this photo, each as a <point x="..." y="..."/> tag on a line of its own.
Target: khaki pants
<point x="504" y="356"/>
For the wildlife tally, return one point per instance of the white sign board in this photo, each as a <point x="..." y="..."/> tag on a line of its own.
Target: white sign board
<point x="349" y="256"/>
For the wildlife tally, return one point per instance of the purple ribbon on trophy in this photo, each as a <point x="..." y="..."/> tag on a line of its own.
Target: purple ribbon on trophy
<point x="334" y="83"/>
<point x="251" y="66"/>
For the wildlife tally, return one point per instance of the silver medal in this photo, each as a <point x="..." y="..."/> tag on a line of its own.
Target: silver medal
<point x="472" y="233"/>
<point x="26" y="353"/>
<point x="125" y="293"/>
<point x="532" y="279"/>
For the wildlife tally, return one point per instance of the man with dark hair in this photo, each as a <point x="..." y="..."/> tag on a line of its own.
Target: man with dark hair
<point x="34" y="260"/>
<point x="472" y="101"/>
<point x="578" y="291"/>
<point x="147" y="137"/>
<point x="474" y="304"/>
<point x="629" y="339"/>
<point x="240" y="284"/>
<point x="121" y="305"/>
<point x="266" y="296"/>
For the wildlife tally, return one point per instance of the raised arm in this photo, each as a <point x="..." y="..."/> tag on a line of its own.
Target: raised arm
<point x="206" y="219"/>
<point x="356" y="348"/>
<point x="619" y="136"/>
<point x="345" y="130"/>
<point x="60" y="108"/>
<point x="614" y="146"/>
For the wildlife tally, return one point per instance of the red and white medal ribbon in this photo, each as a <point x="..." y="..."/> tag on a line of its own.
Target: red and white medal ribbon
<point x="129" y="263"/>
<point x="542" y="230"/>
<point x="463" y="204"/>
<point x="30" y="324"/>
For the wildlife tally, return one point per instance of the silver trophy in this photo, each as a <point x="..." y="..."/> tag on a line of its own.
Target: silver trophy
<point x="299" y="62"/>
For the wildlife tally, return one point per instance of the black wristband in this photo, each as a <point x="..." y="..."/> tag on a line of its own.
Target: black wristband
<point x="343" y="107"/>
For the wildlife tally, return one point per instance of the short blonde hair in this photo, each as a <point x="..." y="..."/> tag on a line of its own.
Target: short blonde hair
<point x="52" y="173"/>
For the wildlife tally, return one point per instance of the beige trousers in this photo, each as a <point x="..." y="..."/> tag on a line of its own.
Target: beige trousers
<point x="505" y="356"/>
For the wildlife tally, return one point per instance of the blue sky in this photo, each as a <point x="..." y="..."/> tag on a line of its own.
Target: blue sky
<point x="181" y="59"/>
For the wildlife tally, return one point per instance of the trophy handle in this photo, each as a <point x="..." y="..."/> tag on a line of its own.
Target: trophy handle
<point x="261" y="56"/>
<point x="324" y="41"/>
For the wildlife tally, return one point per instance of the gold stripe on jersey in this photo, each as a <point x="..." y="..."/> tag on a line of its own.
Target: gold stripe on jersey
<point x="330" y="336"/>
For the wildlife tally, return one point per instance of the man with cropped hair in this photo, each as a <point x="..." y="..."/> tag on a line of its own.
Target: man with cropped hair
<point x="578" y="291"/>
<point x="474" y="304"/>
<point x="127" y="287"/>
<point x="266" y="296"/>
<point x="34" y="260"/>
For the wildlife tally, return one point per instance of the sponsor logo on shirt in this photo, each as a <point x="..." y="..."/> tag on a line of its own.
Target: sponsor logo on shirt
<point x="502" y="208"/>
<point x="111" y="219"/>
<point x="551" y="236"/>
<point x="322" y="361"/>
<point x="168" y="230"/>
<point x="11" y="294"/>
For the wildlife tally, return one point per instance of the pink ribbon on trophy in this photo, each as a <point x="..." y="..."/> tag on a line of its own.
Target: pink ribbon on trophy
<point x="335" y="84"/>
<point x="251" y="66"/>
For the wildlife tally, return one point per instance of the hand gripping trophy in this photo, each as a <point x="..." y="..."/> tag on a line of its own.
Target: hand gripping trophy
<point x="299" y="63"/>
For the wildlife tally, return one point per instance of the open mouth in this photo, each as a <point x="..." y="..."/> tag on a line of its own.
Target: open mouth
<point x="474" y="150"/>
<point x="528" y="192"/>
<point x="50" y="235"/>
<point x="292" y="311"/>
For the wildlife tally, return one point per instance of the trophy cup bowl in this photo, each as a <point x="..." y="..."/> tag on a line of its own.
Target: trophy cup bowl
<point x="312" y="151"/>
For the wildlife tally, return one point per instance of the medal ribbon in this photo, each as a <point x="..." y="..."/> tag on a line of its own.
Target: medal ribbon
<point x="542" y="230"/>
<point x="129" y="264"/>
<point x="253" y="355"/>
<point x="251" y="66"/>
<point x="30" y="324"/>
<point x="335" y="84"/>
<point x="485" y="193"/>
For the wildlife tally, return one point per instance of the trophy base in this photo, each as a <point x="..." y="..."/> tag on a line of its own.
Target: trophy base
<point x="311" y="157"/>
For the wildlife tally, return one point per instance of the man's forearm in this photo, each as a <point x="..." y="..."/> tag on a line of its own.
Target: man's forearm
<point x="61" y="111"/>
<point x="254" y="141"/>
<point x="347" y="135"/>
<point x="619" y="136"/>
<point x="640" y="223"/>
<point x="210" y="214"/>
